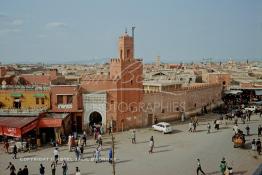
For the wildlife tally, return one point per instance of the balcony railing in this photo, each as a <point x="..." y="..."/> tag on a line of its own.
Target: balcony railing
<point x="25" y="88"/>
<point x="22" y="111"/>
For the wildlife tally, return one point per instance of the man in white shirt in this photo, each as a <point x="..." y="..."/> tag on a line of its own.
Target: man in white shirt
<point x="77" y="171"/>
<point x="235" y="128"/>
<point x="56" y="154"/>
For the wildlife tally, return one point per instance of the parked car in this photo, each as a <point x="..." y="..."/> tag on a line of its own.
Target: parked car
<point x="251" y="108"/>
<point x="163" y="127"/>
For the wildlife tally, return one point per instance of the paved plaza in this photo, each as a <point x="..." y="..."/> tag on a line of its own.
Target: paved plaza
<point x="174" y="153"/>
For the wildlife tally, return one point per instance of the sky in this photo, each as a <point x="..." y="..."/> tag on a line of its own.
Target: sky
<point x="87" y="31"/>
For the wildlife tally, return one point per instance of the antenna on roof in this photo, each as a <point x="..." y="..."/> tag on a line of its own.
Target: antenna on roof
<point x="133" y="32"/>
<point x="133" y="36"/>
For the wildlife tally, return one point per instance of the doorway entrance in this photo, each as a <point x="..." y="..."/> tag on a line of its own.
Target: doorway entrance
<point x="95" y="118"/>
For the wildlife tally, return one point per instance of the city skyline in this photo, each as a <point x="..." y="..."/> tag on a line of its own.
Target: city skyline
<point x="178" y="31"/>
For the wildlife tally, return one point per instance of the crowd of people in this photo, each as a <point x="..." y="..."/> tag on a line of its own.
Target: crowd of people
<point x="77" y="145"/>
<point x="223" y="166"/>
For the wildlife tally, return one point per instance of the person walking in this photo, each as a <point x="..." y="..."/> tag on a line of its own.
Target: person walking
<point x="247" y="129"/>
<point x="64" y="167"/>
<point x="151" y="145"/>
<point x="20" y="172"/>
<point x="97" y="155"/>
<point x="101" y="130"/>
<point x="69" y="143"/>
<point x="42" y="170"/>
<point x="110" y="155"/>
<point x="133" y="137"/>
<point x="258" y="144"/>
<point x="25" y="170"/>
<point x="110" y="130"/>
<point x="84" y="139"/>
<point x="77" y="171"/>
<point x="11" y="167"/>
<point x="82" y="150"/>
<point x="259" y="130"/>
<point x="53" y="167"/>
<point x="208" y="128"/>
<point x="77" y="153"/>
<point x="217" y="124"/>
<point x="99" y="140"/>
<point x="194" y="126"/>
<point x="56" y="155"/>
<point x="235" y="120"/>
<point x="190" y="129"/>
<point x="253" y="145"/>
<point x="6" y="145"/>
<point x="235" y="129"/>
<point x="249" y="113"/>
<point x="14" y="152"/>
<point x="223" y="166"/>
<point x="199" y="167"/>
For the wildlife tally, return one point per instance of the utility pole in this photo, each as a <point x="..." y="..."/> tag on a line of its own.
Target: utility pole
<point x="113" y="156"/>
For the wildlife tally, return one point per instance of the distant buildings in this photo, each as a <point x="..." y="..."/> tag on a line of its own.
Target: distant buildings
<point x="56" y="100"/>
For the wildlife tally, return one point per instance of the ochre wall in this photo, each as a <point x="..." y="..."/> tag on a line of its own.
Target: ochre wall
<point x="28" y="100"/>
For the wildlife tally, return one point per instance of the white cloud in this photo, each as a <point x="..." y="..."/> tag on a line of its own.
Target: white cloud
<point x="6" y="31"/>
<point x="53" y="25"/>
<point x="41" y="36"/>
<point x="18" y="22"/>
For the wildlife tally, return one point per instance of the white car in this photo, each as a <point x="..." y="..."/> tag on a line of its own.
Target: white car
<point x="251" y="108"/>
<point x="163" y="127"/>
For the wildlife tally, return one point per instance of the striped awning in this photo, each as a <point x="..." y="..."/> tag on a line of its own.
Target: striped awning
<point x="39" y="95"/>
<point x="16" y="95"/>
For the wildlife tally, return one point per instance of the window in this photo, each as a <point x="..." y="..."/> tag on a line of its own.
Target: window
<point x="69" y="99"/>
<point x="131" y="82"/>
<point x="121" y="54"/>
<point x="163" y="110"/>
<point x="60" y="99"/>
<point x="37" y="101"/>
<point x="42" y="101"/>
<point x="128" y="53"/>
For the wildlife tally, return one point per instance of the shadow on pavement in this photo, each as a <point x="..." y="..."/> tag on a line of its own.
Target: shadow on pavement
<point x="123" y="161"/>
<point x="200" y="130"/>
<point x="175" y="131"/>
<point x="142" y="142"/>
<point x="29" y="156"/>
<point x="162" y="146"/>
<point x="240" y="172"/>
<point x="161" y="151"/>
<point x="213" y="173"/>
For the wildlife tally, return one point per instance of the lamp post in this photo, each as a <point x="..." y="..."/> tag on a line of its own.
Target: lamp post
<point x="113" y="154"/>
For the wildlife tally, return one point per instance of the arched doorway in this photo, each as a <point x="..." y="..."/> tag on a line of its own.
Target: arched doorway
<point x="95" y="118"/>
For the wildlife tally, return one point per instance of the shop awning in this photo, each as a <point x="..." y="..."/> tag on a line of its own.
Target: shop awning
<point x="258" y="92"/>
<point x="39" y="95"/>
<point x="53" y="120"/>
<point x="17" y="126"/>
<point x="16" y="95"/>
<point x="50" y="123"/>
<point x="233" y="92"/>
